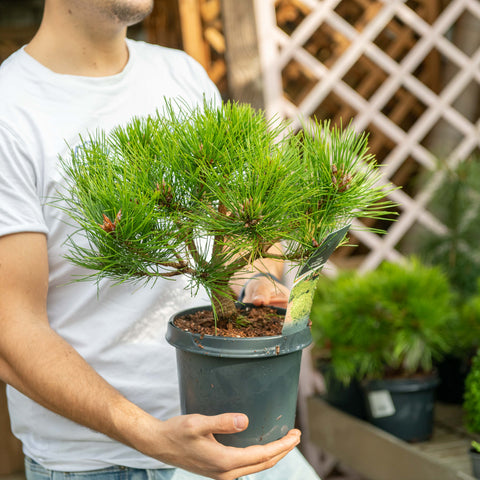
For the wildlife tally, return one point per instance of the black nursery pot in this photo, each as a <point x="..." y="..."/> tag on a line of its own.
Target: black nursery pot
<point x="475" y="460"/>
<point x="347" y="398"/>
<point x="403" y="406"/>
<point x="452" y="372"/>
<point x="255" y="376"/>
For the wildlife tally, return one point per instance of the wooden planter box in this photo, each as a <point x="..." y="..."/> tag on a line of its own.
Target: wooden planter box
<point x="377" y="455"/>
<point x="11" y="456"/>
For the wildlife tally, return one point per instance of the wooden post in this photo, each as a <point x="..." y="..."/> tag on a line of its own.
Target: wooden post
<point x="192" y="32"/>
<point x="242" y="52"/>
<point x="162" y="26"/>
<point x="11" y="456"/>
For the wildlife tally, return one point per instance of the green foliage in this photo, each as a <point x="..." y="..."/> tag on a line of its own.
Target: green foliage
<point x="471" y="403"/>
<point x="465" y="327"/>
<point x="208" y="191"/>
<point x="456" y="203"/>
<point x="390" y="321"/>
<point x="476" y="446"/>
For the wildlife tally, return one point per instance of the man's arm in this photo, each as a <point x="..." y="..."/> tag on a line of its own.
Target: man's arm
<point x="39" y="363"/>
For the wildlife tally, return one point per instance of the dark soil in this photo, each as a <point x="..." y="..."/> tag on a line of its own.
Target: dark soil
<point x="253" y="322"/>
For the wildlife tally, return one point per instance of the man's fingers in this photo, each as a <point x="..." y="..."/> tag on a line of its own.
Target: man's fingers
<point x="263" y="291"/>
<point x="261" y="459"/>
<point x="272" y="301"/>
<point x="240" y="472"/>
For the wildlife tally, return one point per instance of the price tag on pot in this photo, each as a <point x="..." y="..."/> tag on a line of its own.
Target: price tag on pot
<point x="381" y="403"/>
<point x="301" y="295"/>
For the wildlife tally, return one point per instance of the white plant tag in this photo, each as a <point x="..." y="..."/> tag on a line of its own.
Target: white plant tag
<point x="301" y="295"/>
<point x="381" y="404"/>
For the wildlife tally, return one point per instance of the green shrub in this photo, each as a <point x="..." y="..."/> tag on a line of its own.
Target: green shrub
<point x="467" y="327"/>
<point x="471" y="404"/>
<point x="455" y="204"/>
<point x="391" y="321"/>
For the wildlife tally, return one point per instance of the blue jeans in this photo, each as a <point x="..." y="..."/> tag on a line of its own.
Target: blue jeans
<point x="291" y="467"/>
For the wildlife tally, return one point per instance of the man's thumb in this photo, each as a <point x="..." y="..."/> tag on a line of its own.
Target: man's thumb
<point x="229" y="423"/>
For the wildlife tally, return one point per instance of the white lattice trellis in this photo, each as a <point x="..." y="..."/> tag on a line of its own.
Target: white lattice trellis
<point x="400" y="79"/>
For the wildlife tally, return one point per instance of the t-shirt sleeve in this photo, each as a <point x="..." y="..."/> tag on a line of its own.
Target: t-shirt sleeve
<point x="211" y="91"/>
<point x="20" y="204"/>
<point x="201" y="81"/>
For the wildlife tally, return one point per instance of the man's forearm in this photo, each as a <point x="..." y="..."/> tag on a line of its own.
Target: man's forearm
<point x="39" y="363"/>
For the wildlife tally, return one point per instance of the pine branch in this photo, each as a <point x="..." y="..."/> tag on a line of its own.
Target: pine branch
<point x="144" y="273"/>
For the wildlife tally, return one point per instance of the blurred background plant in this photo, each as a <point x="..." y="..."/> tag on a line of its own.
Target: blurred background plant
<point x="393" y="321"/>
<point x="456" y="204"/>
<point x="471" y="404"/>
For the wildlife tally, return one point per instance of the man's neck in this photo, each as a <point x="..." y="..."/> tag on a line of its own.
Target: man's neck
<point x="68" y="47"/>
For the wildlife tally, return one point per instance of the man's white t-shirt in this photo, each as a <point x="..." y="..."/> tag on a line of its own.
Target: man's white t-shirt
<point x="119" y="330"/>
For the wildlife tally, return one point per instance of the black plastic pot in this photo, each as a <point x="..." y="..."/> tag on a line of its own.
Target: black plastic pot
<point x="402" y="407"/>
<point x="255" y="376"/>
<point x="475" y="459"/>
<point x="348" y="398"/>
<point x="452" y="372"/>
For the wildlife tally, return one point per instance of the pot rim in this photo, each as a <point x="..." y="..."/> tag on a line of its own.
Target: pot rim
<point x="403" y="385"/>
<point x="233" y="347"/>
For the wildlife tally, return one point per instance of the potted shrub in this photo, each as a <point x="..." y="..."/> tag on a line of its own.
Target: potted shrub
<point x="206" y="192"/>
<point x="384" y="328"/>
<point x="471" y="407"/>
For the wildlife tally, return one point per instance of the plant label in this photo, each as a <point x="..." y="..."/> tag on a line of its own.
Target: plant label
<point x="301" y="295"/>
<point x="381" y="404"/>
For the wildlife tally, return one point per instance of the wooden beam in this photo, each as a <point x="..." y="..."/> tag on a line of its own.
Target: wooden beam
<point x="242" y="52"/>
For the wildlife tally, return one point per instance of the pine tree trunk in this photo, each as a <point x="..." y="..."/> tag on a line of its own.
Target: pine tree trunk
<point x="225" y="308"/>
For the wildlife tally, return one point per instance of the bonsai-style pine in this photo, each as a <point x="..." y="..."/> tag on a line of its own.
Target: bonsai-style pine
<point x="204" y="192"/>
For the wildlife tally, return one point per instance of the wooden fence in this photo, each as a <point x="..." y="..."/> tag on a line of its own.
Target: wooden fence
<point x="408" y="72"/>
<point x="405" y="71"/>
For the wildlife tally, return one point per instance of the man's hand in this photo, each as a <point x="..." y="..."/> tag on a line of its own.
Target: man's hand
<point x="263" y="290"/>
<point x="260" y="289"/>
<point x="187" y="442"/>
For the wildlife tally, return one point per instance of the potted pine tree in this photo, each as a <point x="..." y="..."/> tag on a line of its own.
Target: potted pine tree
<point x="384" y="329"/>
<point x="207" y="192"/>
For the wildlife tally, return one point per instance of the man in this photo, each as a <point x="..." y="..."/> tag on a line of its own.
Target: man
<point x="92" y="389"/>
